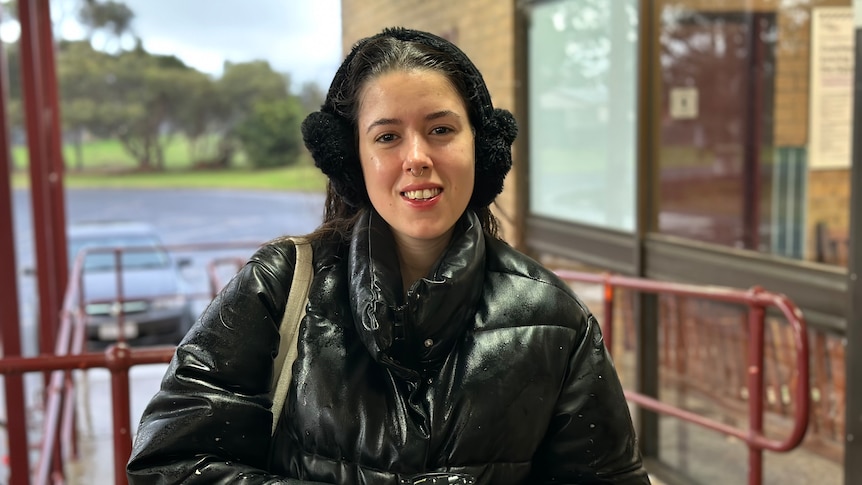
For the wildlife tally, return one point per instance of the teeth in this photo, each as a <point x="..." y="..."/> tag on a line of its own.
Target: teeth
<point x="421" y="194"/>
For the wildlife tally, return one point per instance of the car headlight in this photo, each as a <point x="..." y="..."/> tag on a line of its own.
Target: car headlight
<point x="168" y="302"/>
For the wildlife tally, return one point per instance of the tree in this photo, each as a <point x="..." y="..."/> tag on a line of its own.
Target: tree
<point x="114" y="19"/>
<point x="270" y="136"/>
<point x="149" y="90"/>
<point x="202" y="113"/>
<point x="241" y="87"/>
<point x="82" y="73"/>
<point x="134" y="96"/>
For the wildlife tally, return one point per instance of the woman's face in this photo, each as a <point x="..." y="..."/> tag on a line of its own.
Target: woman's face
<point x="415" y="120"/>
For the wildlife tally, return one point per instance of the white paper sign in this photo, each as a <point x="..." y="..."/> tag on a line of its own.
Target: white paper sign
<point x="831" y="91"/>
<point x="683" y="103"/>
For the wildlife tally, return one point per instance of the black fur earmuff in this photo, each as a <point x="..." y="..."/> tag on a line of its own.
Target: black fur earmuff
<point x="330" y="134"/>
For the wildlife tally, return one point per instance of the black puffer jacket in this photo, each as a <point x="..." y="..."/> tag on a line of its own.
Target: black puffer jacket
<point x="491" y="368"/>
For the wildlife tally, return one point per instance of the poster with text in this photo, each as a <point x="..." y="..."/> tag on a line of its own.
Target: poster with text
<point x="831" y="88"/>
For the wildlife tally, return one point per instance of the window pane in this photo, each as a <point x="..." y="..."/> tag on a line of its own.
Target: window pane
<point x="583" y="111"/>
<point x="753" y="121"/>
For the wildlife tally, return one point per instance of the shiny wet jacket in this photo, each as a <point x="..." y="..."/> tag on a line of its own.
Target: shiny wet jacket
<point x="489" y="368"/>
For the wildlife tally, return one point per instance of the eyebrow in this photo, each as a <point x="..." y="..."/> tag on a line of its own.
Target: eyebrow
<point x="395" y="121"/>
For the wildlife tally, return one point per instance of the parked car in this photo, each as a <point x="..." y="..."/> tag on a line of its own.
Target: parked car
<point x="155" y="309"/>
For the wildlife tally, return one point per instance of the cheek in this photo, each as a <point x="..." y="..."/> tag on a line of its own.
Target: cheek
<point x="469" y="181"/>
<point x="369" y="163"/>
<point x="376" y="181"/>
<point x="468" y="174"/>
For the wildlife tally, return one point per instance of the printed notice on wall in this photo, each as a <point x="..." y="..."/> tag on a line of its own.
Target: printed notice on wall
<point x="831" y="90"/>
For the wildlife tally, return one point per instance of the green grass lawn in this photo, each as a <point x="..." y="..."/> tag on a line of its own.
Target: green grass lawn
<point x="106" y="164"/>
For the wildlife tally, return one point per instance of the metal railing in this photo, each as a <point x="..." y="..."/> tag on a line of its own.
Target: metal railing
<point x="757" y="301"/>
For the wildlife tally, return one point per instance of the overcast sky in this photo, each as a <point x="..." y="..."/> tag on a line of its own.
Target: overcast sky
<point x="301" y="37"/>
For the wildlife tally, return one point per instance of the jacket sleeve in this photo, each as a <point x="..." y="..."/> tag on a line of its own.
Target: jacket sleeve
<point x="591" y="438"/>
<point x="210" y="421"/>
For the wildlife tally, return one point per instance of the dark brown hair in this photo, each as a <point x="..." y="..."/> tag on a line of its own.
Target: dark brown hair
<point x="331" y="134"/>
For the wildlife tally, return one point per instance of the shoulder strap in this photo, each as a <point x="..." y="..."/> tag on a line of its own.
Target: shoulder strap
<point x="289" y="329"/>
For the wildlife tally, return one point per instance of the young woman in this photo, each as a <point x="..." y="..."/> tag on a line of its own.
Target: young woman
<point x="431" y="351"/>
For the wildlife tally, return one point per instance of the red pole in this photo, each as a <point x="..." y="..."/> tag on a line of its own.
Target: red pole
<point x="609" y="314"/>
<point x="55" y="153"/>
<point x="119" y="362"/>
<point x="46" y="170"/>
<point x="45" y="179"/>
<point x="10" y="332"/>
<point x="756" y="316"/>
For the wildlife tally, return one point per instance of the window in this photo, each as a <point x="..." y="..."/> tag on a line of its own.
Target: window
<point x="753" y="125"/>
<point x="582" y="115"/>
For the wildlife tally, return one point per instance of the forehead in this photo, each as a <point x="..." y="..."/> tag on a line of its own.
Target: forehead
<point x="406" y="88"/>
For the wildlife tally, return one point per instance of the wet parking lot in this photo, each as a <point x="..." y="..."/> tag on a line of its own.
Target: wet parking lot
<point x="187" y="219"/>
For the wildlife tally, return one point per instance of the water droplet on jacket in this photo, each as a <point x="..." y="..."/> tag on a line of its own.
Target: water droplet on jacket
<point x="592" y="426"/>
<point x="197" y="472"/>
<point x="600" y="376"/>
<point x="218" y="439"/>
<point x="580" y="415"/>
<point x="227" y="423"/>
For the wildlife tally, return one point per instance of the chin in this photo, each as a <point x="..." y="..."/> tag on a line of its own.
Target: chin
<point x="426" y="233"/>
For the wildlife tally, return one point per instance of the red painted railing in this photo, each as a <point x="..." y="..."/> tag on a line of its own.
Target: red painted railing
<point x="757" y="300"/>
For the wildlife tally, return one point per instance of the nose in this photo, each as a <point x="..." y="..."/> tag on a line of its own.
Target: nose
<point x="417" y="158"/>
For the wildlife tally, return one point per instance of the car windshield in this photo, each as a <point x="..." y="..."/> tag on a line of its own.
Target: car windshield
<point x="142" y="252"/>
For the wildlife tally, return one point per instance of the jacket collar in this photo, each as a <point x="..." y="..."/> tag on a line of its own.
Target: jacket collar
<point x="413" y="337"/>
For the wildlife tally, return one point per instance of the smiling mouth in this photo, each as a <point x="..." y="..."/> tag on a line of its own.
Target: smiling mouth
<point x="422" y="194"/>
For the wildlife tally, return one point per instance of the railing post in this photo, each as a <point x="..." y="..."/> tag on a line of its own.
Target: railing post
<point x="756" y="329"/>
<point x="119" y="363"/>
<point x="10" y="329"/>
<point x="648" y="372"/>
<point x="46" y="164"/>
<point x="609" y="314"/>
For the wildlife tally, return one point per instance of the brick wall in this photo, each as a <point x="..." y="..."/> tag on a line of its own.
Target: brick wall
<point x="483" y="29"/>
<point x="828" y="191"/>
<point x="828" y="203"/>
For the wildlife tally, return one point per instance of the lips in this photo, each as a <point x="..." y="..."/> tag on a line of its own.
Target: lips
<point x="422" y="194"/>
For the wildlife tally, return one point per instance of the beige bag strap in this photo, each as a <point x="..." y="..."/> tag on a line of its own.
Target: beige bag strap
<point x="294" y="311"/>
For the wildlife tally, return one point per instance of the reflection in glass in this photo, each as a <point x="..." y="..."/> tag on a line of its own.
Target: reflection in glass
<point x="717" y="74"/>
<point x="744" y="102"/>
<point x="582" y="111"/>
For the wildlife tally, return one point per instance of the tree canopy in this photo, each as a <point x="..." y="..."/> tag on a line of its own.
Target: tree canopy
<point x="143" y="99"/>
